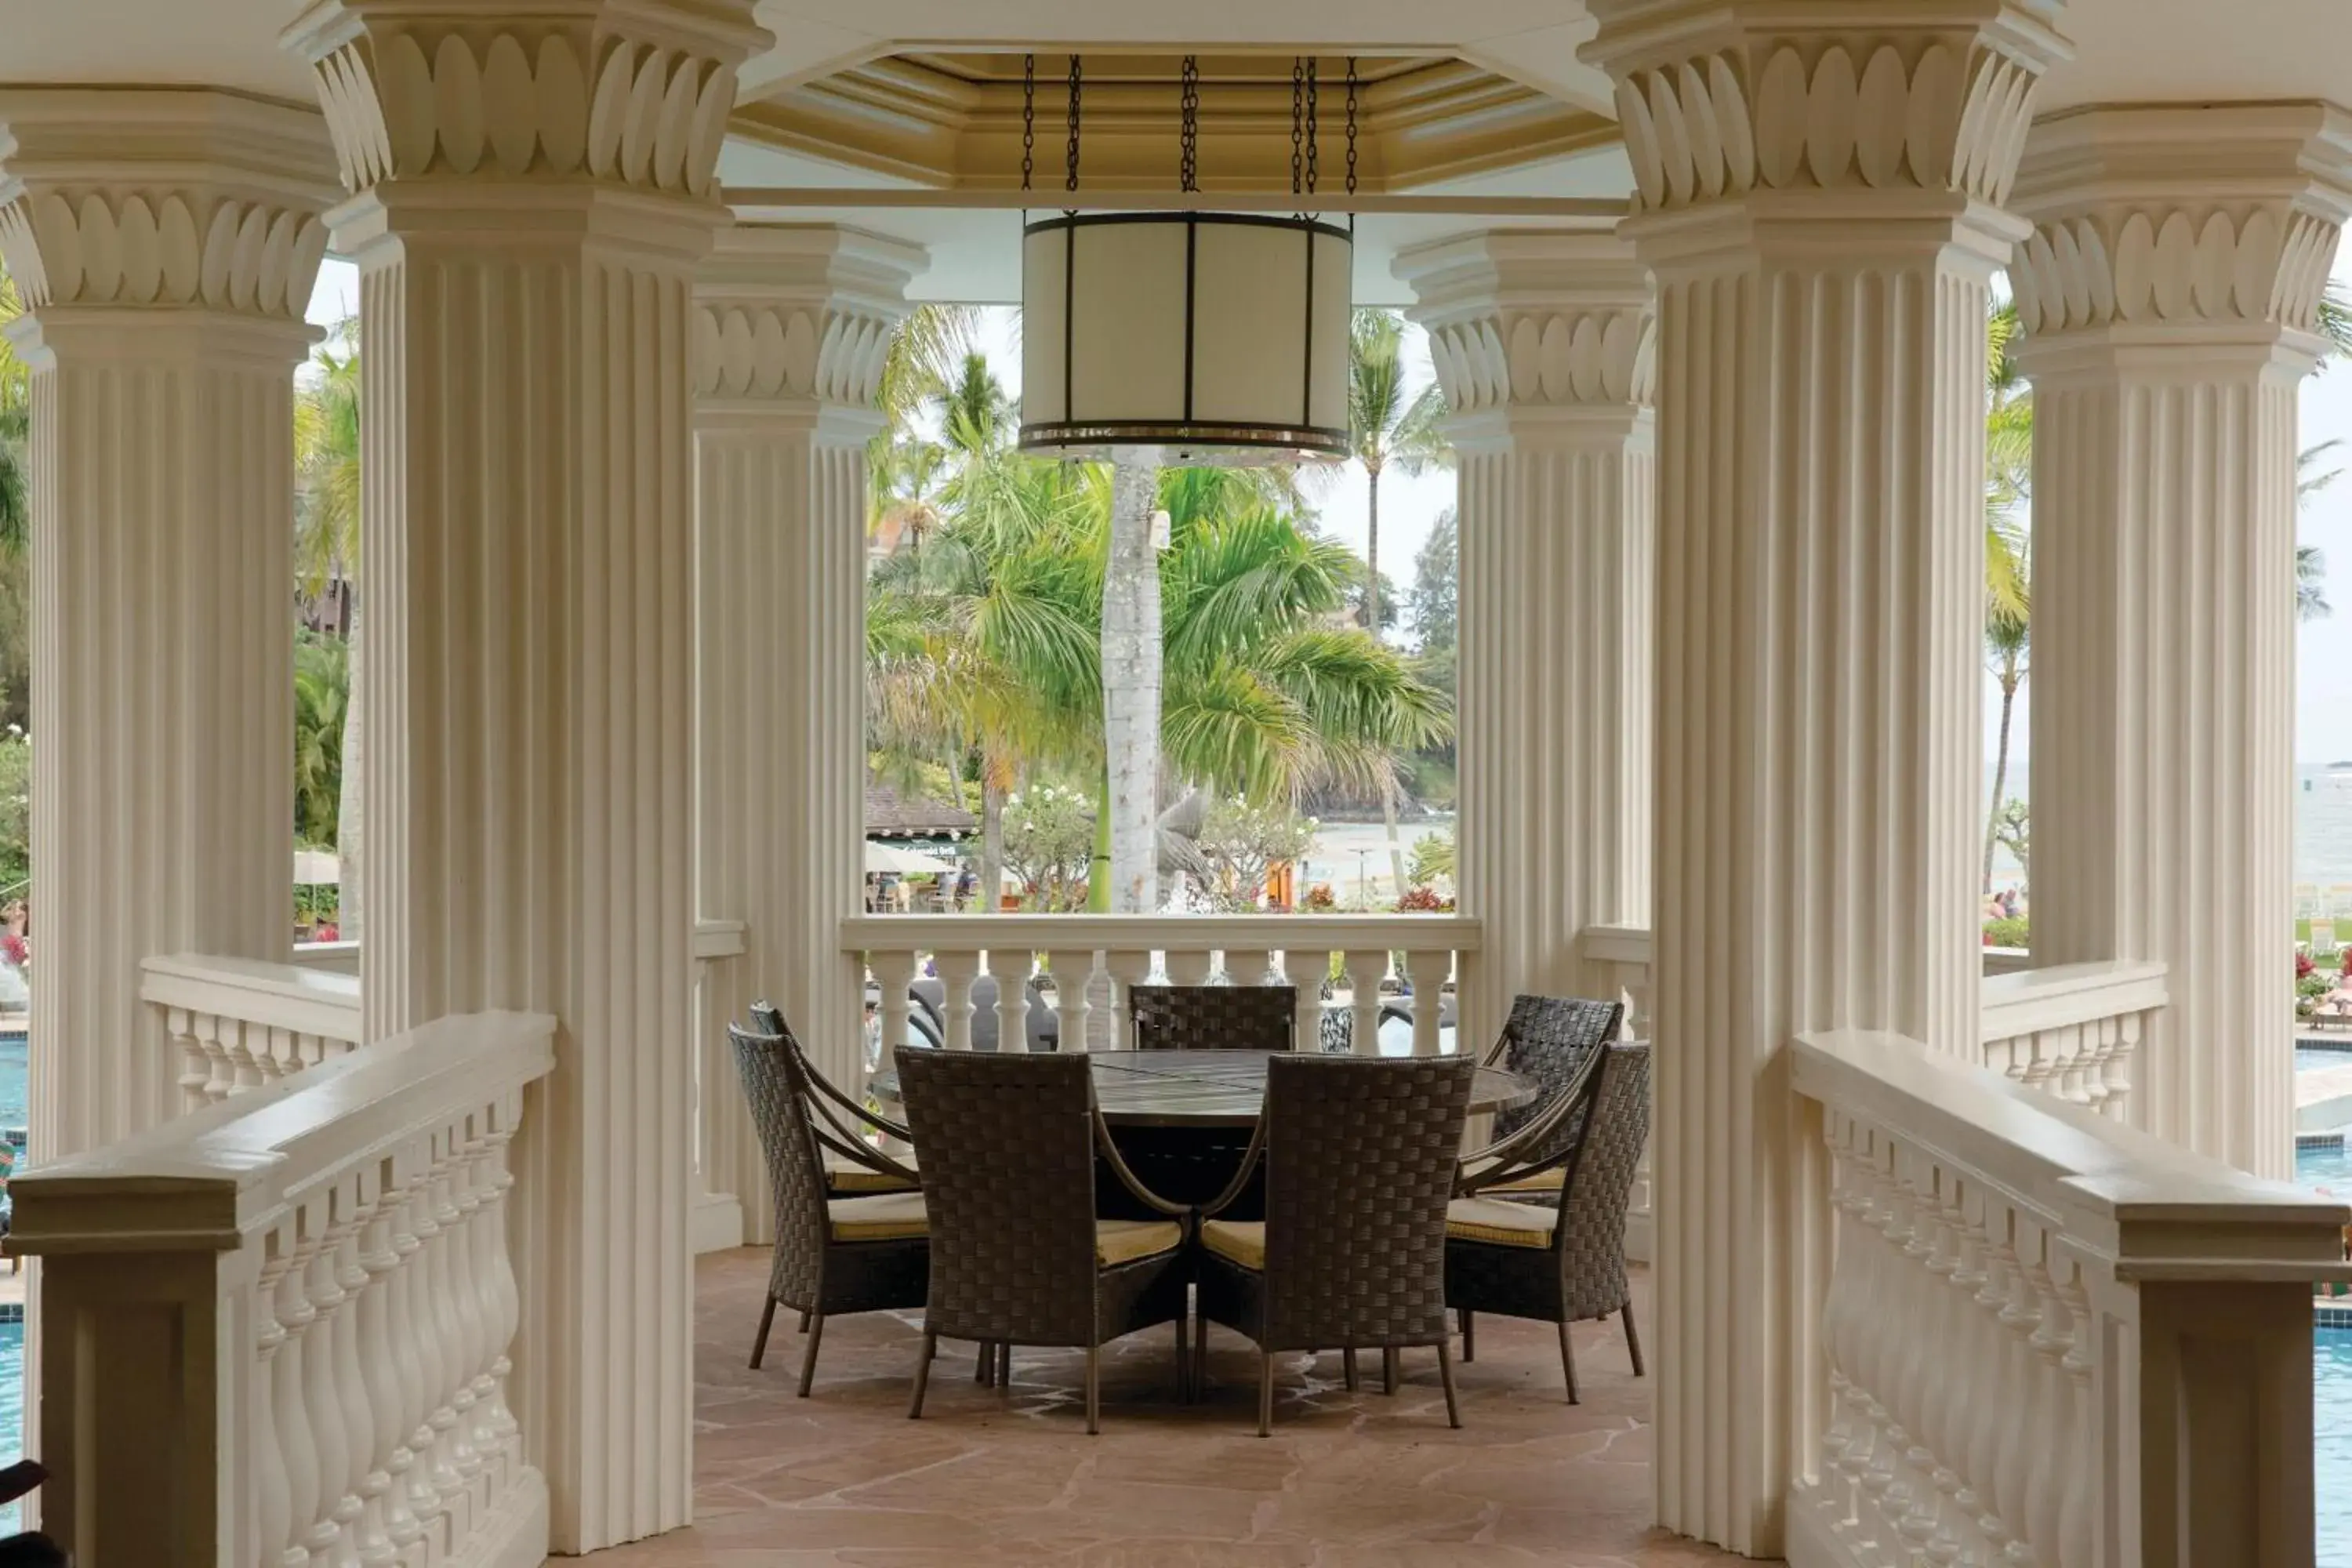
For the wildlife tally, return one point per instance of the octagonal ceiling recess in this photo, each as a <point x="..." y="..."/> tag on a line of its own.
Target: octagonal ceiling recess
<point x="952" y="121"/>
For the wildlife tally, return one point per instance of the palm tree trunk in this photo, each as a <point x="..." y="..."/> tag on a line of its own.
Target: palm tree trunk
<point x="1999" y="771"/>
<point x="1372" y="625"/>
<point x="1131" y="682"/>
<point x="348" y="803"/>
<point x="992" y="837"/>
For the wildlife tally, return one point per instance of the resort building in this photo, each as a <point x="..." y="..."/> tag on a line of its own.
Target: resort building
<point x="400" y="1264"/>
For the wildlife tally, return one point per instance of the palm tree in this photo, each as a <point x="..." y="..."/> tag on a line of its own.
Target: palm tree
<point x="327" y="552"/>
<point x="2310" y="565"/>
<point x="321" y="694"/>
<point x="16" y="519"/>
<point x="1385" y="429"/>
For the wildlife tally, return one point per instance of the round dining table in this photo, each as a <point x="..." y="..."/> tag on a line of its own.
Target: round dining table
<point x="1213" y="1088"/>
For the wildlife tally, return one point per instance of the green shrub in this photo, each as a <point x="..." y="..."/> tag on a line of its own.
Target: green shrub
<point x="2007" y="932"/>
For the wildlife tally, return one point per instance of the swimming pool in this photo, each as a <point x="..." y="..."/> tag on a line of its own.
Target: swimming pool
<point x="2331" y="1460"/>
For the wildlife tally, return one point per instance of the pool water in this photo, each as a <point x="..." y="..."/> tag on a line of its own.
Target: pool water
<point x="2331" y="1426"/>
<point x="2311" y="1059"/>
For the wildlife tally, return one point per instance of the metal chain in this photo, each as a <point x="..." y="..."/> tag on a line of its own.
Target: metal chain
<point x="1188" y="172"/>
<point x="1298" y="124"/>
<point x="1070" y="181"/>
<point x="1351" y="125"/>
<point x="1311" y="61"/>
<point x="1028" y="118"/>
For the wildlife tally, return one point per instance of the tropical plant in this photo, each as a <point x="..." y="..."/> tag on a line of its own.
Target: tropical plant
<point x="2310" y="565"/>
<point x="1435" y="855"/>
<point x="1049" y="838"/>
<point x="321" y="675"/>
<point x="2009" y="477"/>
<point x="1387" y="429"/>
<point x="326" y="553"/>
<point x="15" y="814"/>
<point x="1243" y="839"/>
<point x="16" y="520"/>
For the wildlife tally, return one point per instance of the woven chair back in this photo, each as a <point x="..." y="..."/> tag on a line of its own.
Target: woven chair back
<point x="1360" y="1155"/>
<point x="1589" y="1238"/>
<point x="776" y="1083"/>
<point x="1006" y="1144"/>
<point x="1213" y="1017"/>
<point x="1550" y="1041"/>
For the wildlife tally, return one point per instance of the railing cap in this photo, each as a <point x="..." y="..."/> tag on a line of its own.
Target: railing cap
<point x="2149" y="1206"/>
<point x="230" y="1169"/>
<point x="293" y="996"/>
<point x="1166" y="934"/>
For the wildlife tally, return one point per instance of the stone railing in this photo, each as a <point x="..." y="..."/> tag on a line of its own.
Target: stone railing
<point x="2006" y="960"/>
<point x="1623" y="954"/>
<point x="1083" y="957"/>
<point x="279" y="1325"/>
<point x="239" y="1023"/>
<point x="727" y="1158"/>
<point x="2035" y="1335"/>
<point x="336" y="957"/>
<point x="2072" y="1029"/>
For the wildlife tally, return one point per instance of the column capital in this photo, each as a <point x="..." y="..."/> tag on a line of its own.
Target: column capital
<point x="2212" y="226"/>
<point x="1535" y="332"/>
<point x="1822" y="131"/>
<point x="427" y="100"/>
<point x="794" y="321"/>
<point x="187" y="207"/>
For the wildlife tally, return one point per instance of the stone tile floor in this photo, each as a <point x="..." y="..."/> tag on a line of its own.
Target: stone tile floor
<point x="988" y="1479"/>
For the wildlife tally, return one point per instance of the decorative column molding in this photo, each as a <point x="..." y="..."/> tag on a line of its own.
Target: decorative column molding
<point x="1818" y="205"/>
<point x="792" y="324"/>
<point x="165" y="241"/>
<point x="1542" y="346"/>
<point x="533" y="192"/>
<point x="2170" y="294"/>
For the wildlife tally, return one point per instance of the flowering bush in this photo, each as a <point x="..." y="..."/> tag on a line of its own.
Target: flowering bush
<point x="1321" y="897"/>
<point x="1424" y="901"/>
<point x="2303" y="966"/>
<point x="1244" y="840"/>
<point x="1049" y="840"/>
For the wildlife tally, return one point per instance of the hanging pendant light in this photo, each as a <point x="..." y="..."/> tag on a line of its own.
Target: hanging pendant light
<point x="1222" y="337"/>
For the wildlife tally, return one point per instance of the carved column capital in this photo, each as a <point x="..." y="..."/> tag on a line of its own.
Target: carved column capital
<point x="2216" y="224"/>
<point x="162" y="200"/>
<point x="599" y="94"/>
<point x="1534" y="328"/>
<point x="795" y="320"/>
<point x="1790" y="112"/>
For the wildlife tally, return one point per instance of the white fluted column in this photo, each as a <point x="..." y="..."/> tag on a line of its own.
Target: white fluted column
<point x="1819" y="204"/>
<point x="535" y="191"/>
<point x="165" y="241"/>
<point x="790" y="326"/>
<point x="2170" y="292"/>
<point x="1541" y="345"/>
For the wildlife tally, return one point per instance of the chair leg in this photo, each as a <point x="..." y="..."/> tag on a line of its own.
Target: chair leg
<point x="760" y="1343"/>
<point x="1445" y="1375"/>
<point x="1568" y="1364"/>
<point x="1265" y="1393"/>
<point x="805" y="1322"/>
<point x="1201" y="1357"/>
<point x="1388" y="1370"/>
<point x="1632" y="1337"/>
<point x="1469" y="1337"/>
<point x="983" y="1365"/>
<point x="1348" y="1362"/>
<point x="1183" y="1366"/>
<point x="808" y="1360"/>
<point x="923" y="1375"/>
<point x="1094" y="1389"/>
<point x="1004" y="1363"/>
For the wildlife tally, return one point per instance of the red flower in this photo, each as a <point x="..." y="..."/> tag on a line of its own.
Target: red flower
<point x="15" y="949"/>
<point x="2302" y="965"/>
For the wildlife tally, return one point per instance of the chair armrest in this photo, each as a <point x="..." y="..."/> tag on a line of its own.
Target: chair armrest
<point x="1251" y="1157"/>
<point x="1129" y="1179"/>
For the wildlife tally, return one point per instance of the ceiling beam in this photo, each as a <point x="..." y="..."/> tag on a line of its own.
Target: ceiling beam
<point x="1590" y="209"/>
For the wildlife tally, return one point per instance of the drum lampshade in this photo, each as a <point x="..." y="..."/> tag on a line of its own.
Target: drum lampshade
<point x="1220" y="337"/>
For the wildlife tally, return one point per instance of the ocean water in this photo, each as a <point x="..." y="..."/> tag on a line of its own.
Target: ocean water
<point x="2323" y="827"/>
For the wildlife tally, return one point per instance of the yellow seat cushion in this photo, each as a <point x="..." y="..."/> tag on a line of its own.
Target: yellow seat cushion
<point x="1537" y="1181"/>
<point x="1504" y="1224"/>
<point x="841" y="1176"/>
<point x="881" y="1216"/>
<point x="1241" y="1241"/>
<point x="1120" y="1241"/>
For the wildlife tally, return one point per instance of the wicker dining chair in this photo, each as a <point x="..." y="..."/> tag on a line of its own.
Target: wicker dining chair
<point x="832" y="1254"/>
<point x="846" y="1128"/>
<point x="1018" y="1256"/>
<point x="1359" y="1157"/>
<point x="1561" y="1263"/>
<point x="1553" y="1042"/>
<point x="1213" y="1017"/>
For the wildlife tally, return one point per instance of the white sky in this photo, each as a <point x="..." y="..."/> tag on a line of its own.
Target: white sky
<point x="1409" y="507"/>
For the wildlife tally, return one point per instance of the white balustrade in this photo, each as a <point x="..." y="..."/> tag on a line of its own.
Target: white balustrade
<point x="290" y="1314"/>
<point x="2072" y="1029"/>
<point x="1080" y="952"/>
<point x="2007" y="959"/>
<point x="331" y="957"/>
<point x="239" y="1023"/>
<point x="2032" y="1335"/>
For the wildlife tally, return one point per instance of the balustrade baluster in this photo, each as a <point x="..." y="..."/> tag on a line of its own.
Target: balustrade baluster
<point x="1127" y="971"/>
<point x="894" y="973"/>
<point x="507" y="1297"/>
<point x="1969" y="1320"/>
<point x="1305" y="972"/>
<point x="321" y="1535"/>
<point x="274" y="1510"/>
<point x="431" y="1441"/>
<point x="1918" y="1523"/>
<point x="1996" y="1403"/>
<point x="241" y="1042"/>
<point x="455" y="1461"/>
<point x="1837" y="1310"/>
<point x="2115" y="1067"/>
<point x="1865" y="1324"/>
<point x="1883" y="1481"/>
<point x="1366" y="969"/>
<point x="353" y="1198"/>
<point x="956" y="971"/>
<point x="1012" y="971"/>
<point x="2018" y="1319"/>
<point x="2079" y="1446"/>
<point x="1250" y="966"/>
<point x="388" y="1525"/>
<point x="1426" y="970"/>
<point x="2044" y="1494"/>
<point x="464" y="1306"/>
<point x="1072" y="968"/>
<point x="195" y="1062"/>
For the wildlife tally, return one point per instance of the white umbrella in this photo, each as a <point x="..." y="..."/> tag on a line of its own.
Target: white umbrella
<point x="313" y="866"/>
<point x="880" y="857"/>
